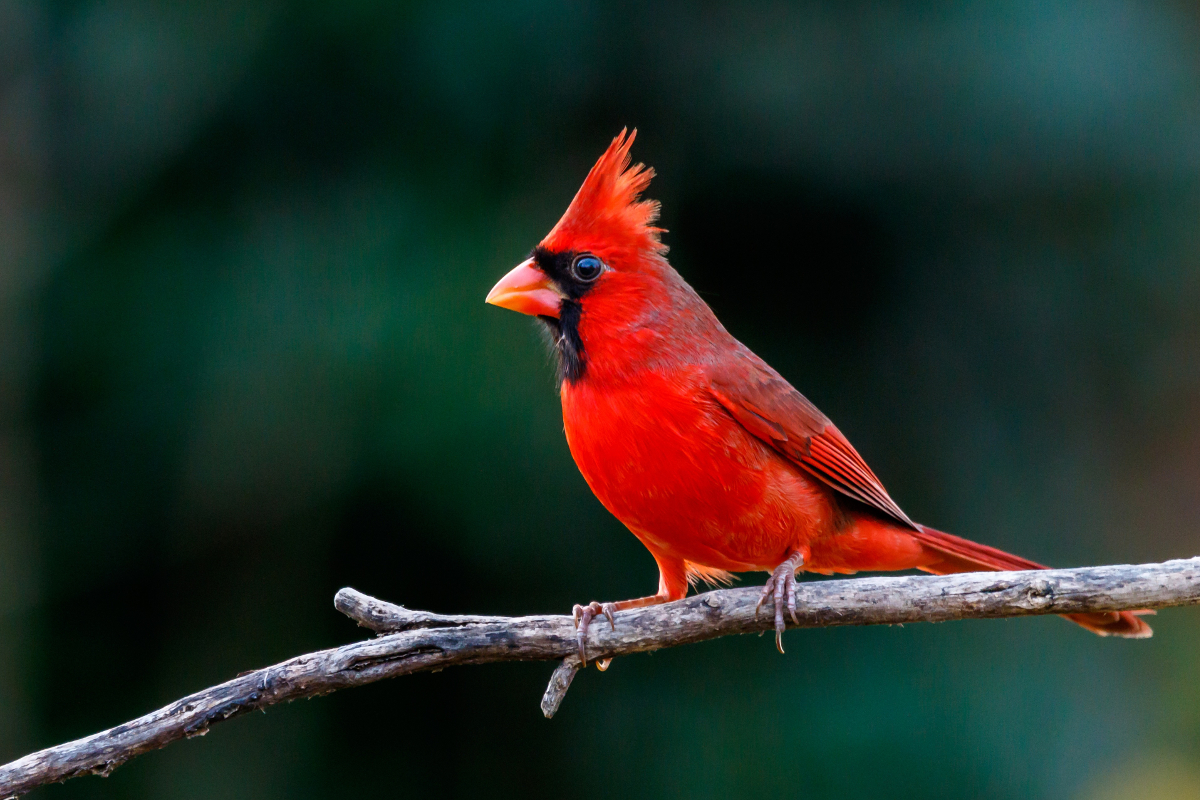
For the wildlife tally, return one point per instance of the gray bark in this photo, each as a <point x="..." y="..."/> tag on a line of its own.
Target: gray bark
<point x="416" y="641"/>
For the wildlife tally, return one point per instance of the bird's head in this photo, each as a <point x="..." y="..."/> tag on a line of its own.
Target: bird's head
<point x="600" y="272"/>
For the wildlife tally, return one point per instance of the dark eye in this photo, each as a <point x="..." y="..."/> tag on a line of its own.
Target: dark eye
<point x="587" y="268"/>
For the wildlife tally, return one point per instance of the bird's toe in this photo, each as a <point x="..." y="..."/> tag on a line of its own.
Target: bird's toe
<point x="583" y="616"/>
<point x="781" y="588"/>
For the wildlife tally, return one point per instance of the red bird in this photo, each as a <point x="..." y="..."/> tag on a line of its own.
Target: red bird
<point x="702" y="450"/>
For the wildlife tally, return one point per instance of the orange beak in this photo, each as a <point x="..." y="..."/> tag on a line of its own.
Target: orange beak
<point x="527" y="290"/>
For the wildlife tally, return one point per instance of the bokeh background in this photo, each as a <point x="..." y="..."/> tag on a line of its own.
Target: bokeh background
<point x="245" y="361"/>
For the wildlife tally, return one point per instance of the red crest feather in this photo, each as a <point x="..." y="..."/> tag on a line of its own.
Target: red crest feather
<point x="606" y="215"/>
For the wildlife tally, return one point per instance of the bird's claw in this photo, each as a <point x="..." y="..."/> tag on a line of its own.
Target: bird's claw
<point x="583" y="619"/>
<point x="781" y="585"/>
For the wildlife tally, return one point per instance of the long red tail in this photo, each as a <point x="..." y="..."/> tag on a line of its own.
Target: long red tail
<point x="963" y="555"/>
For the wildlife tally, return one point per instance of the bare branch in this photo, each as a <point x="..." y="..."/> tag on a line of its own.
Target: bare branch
<point x="422" y="641"/>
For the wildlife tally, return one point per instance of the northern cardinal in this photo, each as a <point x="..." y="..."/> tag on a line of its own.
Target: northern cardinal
<point x="699" y="447"/>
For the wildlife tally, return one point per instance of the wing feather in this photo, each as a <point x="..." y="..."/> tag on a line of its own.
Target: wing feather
<point x="769" y="407"/>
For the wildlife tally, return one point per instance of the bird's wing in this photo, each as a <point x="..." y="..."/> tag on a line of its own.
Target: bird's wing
<point x="770" y="408"/>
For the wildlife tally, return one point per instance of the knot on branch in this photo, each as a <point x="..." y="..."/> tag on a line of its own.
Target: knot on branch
<point x="1039" y="594"/>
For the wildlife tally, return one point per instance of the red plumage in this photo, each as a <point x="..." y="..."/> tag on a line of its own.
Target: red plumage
<point x="706" y="453"/>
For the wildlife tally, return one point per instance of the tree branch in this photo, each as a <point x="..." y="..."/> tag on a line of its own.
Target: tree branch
<point x="416" y="641"/>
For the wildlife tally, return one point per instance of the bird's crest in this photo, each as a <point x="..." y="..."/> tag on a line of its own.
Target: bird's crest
<point x="606" y="213"/>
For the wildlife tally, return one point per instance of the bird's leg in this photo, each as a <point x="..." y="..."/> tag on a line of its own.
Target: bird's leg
<point x="585" y="614"/>
<point x="782" y="584"/>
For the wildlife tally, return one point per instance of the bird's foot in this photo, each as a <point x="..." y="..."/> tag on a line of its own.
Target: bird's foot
<point x="782" y="585"/>
<point x="583" y="619"/>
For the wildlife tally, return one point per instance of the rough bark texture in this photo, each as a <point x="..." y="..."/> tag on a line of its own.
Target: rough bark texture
<point x="415" y="641"/>
<point x="560" y="681"/>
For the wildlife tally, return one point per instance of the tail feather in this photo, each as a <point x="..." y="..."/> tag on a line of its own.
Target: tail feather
<point x="963" y="555"/>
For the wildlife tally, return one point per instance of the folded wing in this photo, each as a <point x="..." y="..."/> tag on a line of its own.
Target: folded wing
<point x="770" y="408"/>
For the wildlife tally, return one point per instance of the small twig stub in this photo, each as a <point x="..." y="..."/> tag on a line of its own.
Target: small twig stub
<point x="560" y="681"/>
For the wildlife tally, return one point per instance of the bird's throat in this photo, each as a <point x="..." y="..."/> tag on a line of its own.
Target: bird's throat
<point x="564" y="340"/>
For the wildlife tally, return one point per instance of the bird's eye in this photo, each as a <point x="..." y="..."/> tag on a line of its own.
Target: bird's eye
<point x="587" y="268"/>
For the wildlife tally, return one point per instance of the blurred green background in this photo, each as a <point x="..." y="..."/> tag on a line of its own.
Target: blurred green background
<point x="245" y="361"/>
